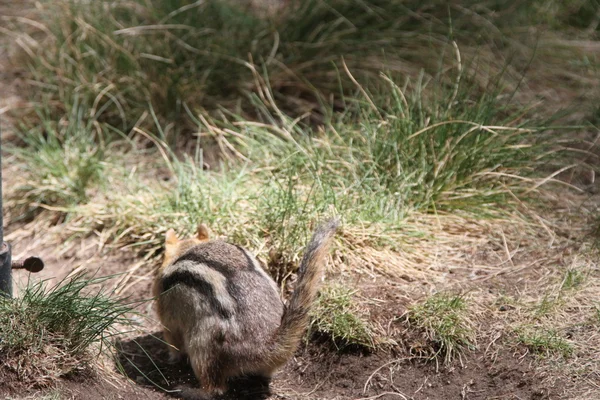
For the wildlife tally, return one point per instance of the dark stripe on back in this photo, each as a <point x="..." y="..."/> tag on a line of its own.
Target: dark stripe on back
<point x="223" y="269"/>
<point x="196" y="282"/>
<point x="251" y="264"/>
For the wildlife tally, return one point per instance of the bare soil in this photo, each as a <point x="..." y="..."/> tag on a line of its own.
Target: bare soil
<point x="497" y="370"/>
<point x="318" y="370"/>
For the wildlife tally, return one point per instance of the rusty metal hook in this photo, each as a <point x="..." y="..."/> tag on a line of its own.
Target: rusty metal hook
<point x="31" y="264"/>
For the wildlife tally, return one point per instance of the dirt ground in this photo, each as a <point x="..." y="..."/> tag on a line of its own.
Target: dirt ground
<point x="318" y="370"/>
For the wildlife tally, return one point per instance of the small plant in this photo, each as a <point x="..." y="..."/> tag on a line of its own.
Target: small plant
<point x="548" y="304"/>
<point x="52" y="332"/>
<point x="444" y="319"/>
<point x="573" y="279"/>
<point x="337" y="316"/>
<point x="285" y="211"/>
<point x="544" y="341"/>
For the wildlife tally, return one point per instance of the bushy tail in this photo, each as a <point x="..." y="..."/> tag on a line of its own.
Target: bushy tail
<point x="295" y="317"/>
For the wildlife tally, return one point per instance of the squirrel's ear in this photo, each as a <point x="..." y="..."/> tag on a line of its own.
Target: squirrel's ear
<point x="202" y="232"/>
<point x="171" y="237"/>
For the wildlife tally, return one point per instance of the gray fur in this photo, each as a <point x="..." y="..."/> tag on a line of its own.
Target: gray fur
<point x="219" y="307"/>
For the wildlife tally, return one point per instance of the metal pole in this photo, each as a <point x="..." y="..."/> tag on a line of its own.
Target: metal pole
<point x="5" y="262"/>
<point x="5" y="271"/>
<point x="31" y="264"/>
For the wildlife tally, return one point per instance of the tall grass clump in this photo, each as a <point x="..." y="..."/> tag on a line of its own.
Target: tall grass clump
<point x="393" y="153"/>
<point x="445" y="152"/>
<point x="63" y="160"/>
<point x="399" y="149"/>
<point x="545" y="342"/>
<point x="49" y="332"/>
<point x="120" y="56"/>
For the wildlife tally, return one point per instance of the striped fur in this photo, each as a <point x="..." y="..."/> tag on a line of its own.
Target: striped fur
<point x="223" y="311"/>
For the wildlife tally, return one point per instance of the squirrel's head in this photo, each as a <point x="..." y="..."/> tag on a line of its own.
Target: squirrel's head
<point x="175" y="247"/>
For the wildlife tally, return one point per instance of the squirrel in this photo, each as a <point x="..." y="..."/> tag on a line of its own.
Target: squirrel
<point x="222" y="311"/>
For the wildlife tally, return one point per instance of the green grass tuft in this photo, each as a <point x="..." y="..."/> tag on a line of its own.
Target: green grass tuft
<point x="337" y="315"/>
<point x="63" y="160"/>
<point x="573" y="279"/>
<point x="445" y="321"/>
<point x="544" y="341"/>
<point x="51" y="332"/>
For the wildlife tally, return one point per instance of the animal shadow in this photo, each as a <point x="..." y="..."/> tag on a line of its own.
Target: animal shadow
<point x="144" y="360"/>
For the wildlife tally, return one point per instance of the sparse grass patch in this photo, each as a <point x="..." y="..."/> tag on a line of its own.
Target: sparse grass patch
<point x="573" y="279"/>
<point x="141" y="211"/>
<point x="549" y="304"/>
<point x="52" y="332"/>
<point x="446" y="322"/>
<point x="544" y="341"/>
<point x="337" y="315"/>
<point x="63" y="160"/>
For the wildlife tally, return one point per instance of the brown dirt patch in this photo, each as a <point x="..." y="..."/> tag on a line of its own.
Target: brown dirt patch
<point x="317" y="372"/>
<point x="320" y="374"/>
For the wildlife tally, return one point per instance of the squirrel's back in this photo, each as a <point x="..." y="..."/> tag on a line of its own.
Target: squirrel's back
<point x="222" y="304"/>
<point x="221" y="308"/>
